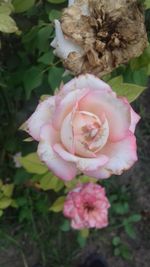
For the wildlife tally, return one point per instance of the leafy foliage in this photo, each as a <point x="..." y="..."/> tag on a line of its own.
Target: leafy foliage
<point x="130" y="91"/>
<point x="7" y="24"/>
<point x="29" y="69"/>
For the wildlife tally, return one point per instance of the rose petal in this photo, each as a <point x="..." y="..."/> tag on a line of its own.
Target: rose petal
<point x="66" y="133"/>
<point x="87" y="81"/>
<point x="117" y="112"/>
<point x="63" y="45"/>
<point x="61" y="168"/>
<point x="134" y="120"/>
<point x="79" y="121"/>
<point x="83" y="164"/>
<point x="41" y="116"/>
<point x="122" y="155"/>
<point x="134" y="116"/>
<point x="69" y="102"/>
<point x="99" y="142"/>
<point x="67" y="138"/>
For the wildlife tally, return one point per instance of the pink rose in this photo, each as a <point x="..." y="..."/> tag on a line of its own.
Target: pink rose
<point x="87" y="207"/>
<point x="85" y="128"/>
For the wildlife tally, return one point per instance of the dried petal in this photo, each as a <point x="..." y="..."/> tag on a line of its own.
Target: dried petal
<point x="108" y="33"/>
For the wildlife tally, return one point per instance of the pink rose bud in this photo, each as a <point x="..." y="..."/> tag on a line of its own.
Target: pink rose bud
<point x="87" y="207"/>
<point x="85" y="128"/>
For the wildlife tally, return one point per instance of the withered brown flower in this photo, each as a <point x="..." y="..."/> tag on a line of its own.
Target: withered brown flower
<point x="96" y="36"/>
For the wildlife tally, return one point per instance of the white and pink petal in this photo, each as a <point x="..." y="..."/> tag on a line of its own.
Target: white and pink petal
<point x="116" y="111"/>
<point x="61" y="168"/>
<point x="82" y="164"/>
<point x="134" y="120"/>
<point x="87" y="81"/>
<point x="66" y="105"/>
<point x="122" y="155"/>
<point x="41" y="116"/>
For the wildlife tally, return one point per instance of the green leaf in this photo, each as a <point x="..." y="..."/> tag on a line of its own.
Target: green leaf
<point x="116" y="241"/>
<point x="6" y="8"/>
<point x="147" y="4"/>
<point x="113" y="198"/>
<point x="58" y="205"/>
<point x="47" y="58"/>
<point x="121" y="208"/>
<point x="7" y="189"/>
<point x="116" y="81"/>
<point x="14" y="204"/>
<point x="56" y="1"/>
<point x="55" y="77"/>
<point x="22" y="5"/>
<point x="43" y="38"/>
<point x="130" y="91"/>
<point x="7" y="24"/>
<point x="32" y="164"/>
<point x="141" y="61"/>
<point x="71" y="184"/>
<point x="49" y="181"/>
<point x="21" y="176"/>
<point x="5" y="202"/>
<point x="129" y="229"/>
<point x="125" y="252"/>
<point x="86" y="179"/>
<point x="54" y="14"/>
<point x="140" y="76"/>
<point x="134" y="218"/>
<point x="65" y="227"/>
<point x="29" y="39"/>
<point x="22" y="201"/>
<point x="32" y="79"/>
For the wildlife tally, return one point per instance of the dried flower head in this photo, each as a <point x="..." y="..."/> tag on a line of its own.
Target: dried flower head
<point x="97" y="36"/>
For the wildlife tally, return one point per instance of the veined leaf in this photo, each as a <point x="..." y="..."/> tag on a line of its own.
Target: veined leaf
<point x="7" y="24"/>
<point x="6" y="8"/>
<point x="58" y="204"/>
<point x="22" y="5"/>
<point x="32" y="79"/>
<point x="54" y="14"/>
<point x="147" y="4"/>
<point x="32" y="164"/>
<point x="49" y="181"/>
<point x="55" y="77"/>
<point x="128" y="90"/>
<point x="7" y="189"/>
<point x="5" y="202"/>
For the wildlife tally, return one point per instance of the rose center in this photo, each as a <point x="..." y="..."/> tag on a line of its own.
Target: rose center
<point x="90" y="131"/>
<point x="88" y="207"/>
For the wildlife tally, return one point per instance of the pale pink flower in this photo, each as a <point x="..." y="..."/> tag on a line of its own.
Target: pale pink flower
<point x="87" y="207"/>
<point x="85" y="128"/>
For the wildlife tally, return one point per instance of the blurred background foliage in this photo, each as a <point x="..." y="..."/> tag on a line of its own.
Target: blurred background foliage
<point x="28" y="192"/>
